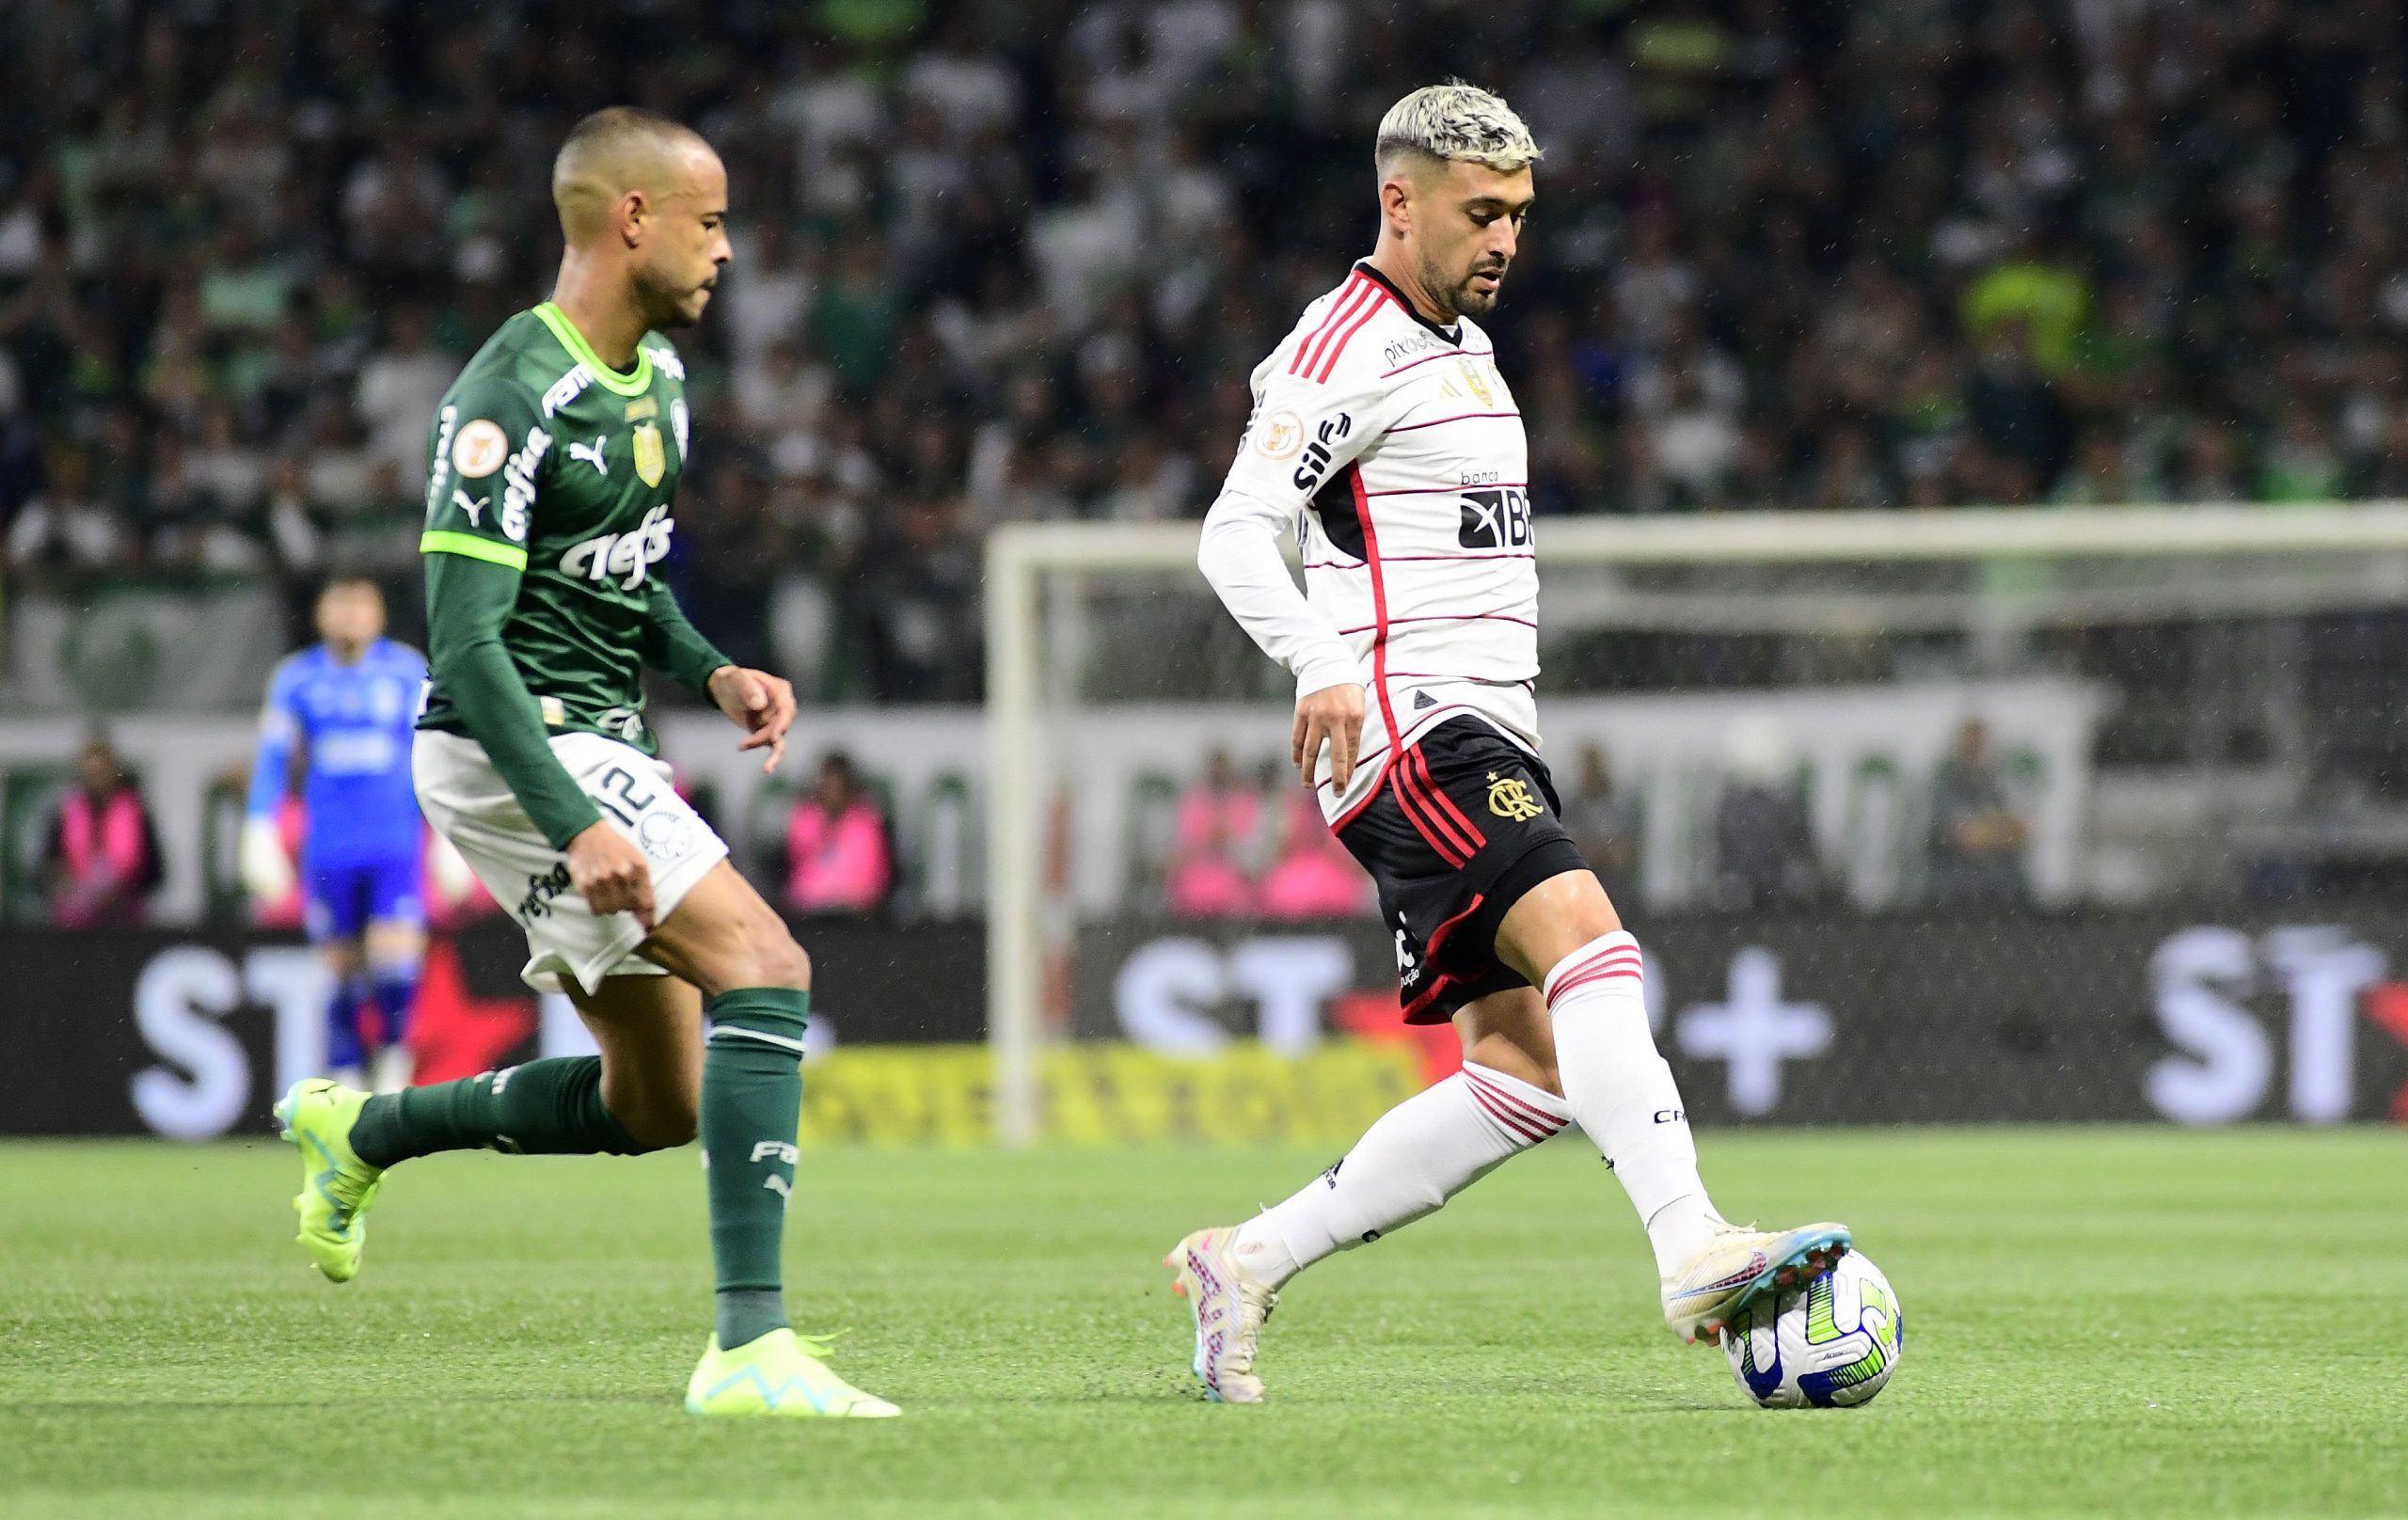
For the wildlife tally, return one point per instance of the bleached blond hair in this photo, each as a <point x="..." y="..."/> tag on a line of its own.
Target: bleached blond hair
<point x="1455" y="122"/>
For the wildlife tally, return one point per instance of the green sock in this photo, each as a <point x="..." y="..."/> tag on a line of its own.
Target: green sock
<point x="543" y="1108"/>
<point x="752" y="1108"/>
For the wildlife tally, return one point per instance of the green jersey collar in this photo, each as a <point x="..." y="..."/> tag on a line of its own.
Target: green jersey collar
<point x="609" y="379"/>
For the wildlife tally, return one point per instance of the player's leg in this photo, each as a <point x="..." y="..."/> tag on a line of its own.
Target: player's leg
<point x="747" y="1103"/>
<point x="330" y="912"/>
<point x="1407" y="1164"/>
<point x="346" y="992"/>
<point x="728" y="942"/>
<point x="649" y="1031"/>
<point x="1427" y="1148"/>
<point x="348" y="1139"/>
<point x="395" y="949"/>
<point x="396" y="952"/>
<point x="1563" y="935"/>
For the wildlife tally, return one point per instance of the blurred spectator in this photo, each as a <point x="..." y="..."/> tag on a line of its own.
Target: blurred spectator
<point x="1211" y="873"/>
<point x="1000" y="263"/>
<point x="1976" y="838"/>
<point x="840" y="855"/>
<point x="399" y="389"/>
<point x="1763" y="840"/>
<point x="102" y="858"/>
<point x="1312" y="875"/>
<point x="1603" y="822"/>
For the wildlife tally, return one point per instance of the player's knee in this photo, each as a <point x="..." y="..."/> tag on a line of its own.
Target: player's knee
<point x="663" y="1124"/>
<point x="395" y="947"/>
<point x="655" y="1115"/>
<point x="777" y="959"/>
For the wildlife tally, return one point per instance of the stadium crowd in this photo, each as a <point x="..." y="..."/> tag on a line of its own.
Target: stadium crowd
<point x="1016" y="261"/>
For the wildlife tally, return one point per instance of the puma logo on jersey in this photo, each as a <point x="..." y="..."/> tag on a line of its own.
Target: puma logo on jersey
<point x="628" y="556"/>
<point x="468" y="505"/>
<point x="593" y="453"/>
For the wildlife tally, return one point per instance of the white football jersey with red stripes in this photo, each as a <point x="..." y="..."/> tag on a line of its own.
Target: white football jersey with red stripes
<point x="1393" y="450"/>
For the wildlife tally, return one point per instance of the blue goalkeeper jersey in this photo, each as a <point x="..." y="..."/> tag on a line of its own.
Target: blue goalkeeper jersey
<point x="354" y="722"/>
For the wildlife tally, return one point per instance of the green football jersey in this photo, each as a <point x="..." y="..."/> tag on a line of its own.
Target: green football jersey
<point x="545" y="460"/>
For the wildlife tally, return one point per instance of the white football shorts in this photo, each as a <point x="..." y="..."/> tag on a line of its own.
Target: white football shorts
<point x="469" y="804"/>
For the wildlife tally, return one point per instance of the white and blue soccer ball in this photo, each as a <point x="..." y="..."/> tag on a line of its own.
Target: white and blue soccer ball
<point x="1831" y="1344"/>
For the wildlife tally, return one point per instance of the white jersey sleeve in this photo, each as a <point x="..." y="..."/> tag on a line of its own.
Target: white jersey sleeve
<point x="1304" y="431"/>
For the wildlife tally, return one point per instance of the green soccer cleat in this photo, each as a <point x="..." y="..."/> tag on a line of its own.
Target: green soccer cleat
<point x="337" y="1186"/>
<point x="781" y="1373"/>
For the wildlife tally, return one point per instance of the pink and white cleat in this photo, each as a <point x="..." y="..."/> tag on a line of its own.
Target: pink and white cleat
<point x="1738" y="1266"/>
<point x="1229" y="1307"/>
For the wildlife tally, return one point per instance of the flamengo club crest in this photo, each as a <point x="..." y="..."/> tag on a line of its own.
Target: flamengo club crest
<point x="1509" y="796"/>
<point x="651" y="462"/>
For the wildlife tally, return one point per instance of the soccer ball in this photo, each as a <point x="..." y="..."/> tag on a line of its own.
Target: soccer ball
<point x="1831" y="1344"/>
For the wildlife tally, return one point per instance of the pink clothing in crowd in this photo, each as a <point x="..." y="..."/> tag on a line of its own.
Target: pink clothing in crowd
<point x="1314" y="877"/>
<point x="837" y="863"/>
<point x="1207" y="877"/>
<point x="107" y="856"/>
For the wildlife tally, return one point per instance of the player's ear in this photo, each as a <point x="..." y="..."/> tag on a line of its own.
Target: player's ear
<point x="1396" y="203"/>
<point x="632" y="216"/>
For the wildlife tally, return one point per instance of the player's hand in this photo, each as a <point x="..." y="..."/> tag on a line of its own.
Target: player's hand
<point x="1333" y="715"/>
<point x="760" y="703"/>
<point x="267" y="872"/>
<point x="609" y="872"/>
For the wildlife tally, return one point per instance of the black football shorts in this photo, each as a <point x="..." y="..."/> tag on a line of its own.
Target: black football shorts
<point x="1463" y="825"/>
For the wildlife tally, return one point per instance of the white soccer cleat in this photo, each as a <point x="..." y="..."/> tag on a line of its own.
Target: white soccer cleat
<point x="1229" y="1308"/>
<point x="1738" y="1266"/>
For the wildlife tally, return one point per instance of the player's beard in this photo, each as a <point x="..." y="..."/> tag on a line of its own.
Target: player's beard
<point x="1462" y="297"/>
<point x="668" y="303"/>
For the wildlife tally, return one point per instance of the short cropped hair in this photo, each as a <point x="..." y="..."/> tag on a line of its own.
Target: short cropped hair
<point x="1455" y="122"/>
<point x="600" y="154"/>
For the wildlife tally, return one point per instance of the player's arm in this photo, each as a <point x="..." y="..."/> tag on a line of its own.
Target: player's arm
<point x="482" y="483"/>
<point x="266" y="874"/>
<point x="1301" y="435"/>
<point x="760" y="703"/>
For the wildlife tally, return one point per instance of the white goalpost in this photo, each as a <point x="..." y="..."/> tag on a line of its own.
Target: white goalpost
<point x="1775" y="573"/>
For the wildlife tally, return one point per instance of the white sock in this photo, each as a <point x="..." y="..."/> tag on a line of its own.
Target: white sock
<point x="1419" y="1154"/>
<point x="1621" y="1092"/>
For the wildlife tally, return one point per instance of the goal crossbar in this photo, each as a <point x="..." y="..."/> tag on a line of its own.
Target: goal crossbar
<point x="1019" y="556"/>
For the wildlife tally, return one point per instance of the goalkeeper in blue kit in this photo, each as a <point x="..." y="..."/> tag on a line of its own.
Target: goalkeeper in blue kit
<point x="345" y="706"/>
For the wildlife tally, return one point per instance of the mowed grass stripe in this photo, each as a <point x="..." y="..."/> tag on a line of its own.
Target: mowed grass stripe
<point x="2102" y="1322"/>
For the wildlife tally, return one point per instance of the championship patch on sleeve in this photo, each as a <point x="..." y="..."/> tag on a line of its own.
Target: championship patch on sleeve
<point x="480" y="449"/>
<point x="1281" y="433"/>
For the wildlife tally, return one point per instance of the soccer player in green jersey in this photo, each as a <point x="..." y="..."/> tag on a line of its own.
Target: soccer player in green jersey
<point x="556" y="459"/>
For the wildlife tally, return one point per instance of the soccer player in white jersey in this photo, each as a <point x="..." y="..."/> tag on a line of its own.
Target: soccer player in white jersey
<point x="1383" y="434"/>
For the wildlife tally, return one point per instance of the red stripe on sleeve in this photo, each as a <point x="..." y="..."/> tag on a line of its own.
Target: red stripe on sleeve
<point x="1329" y="360"/>
<point x="1348" y="299"/>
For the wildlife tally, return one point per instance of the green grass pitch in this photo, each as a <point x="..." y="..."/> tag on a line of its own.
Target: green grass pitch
<point x="2106" y="1322"/>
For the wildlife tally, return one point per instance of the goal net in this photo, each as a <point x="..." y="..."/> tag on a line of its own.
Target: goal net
<point x="1881" y="749"/>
